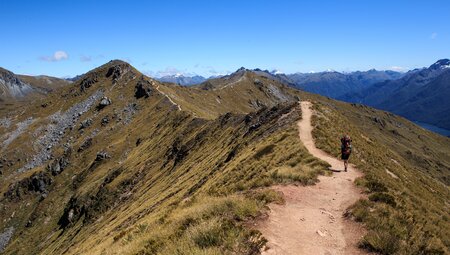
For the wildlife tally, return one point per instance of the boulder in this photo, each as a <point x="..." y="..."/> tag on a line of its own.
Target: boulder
<point x="86" y="144"/>
<point x="102" y="156"/>
<point x="105" y="101"/>
<point x="85" y="123"/>
<point x="58" y="165"/>
<point x="105" y="120"/>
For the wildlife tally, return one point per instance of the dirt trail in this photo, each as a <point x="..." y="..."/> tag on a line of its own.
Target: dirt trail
<point x="311" y="221"/>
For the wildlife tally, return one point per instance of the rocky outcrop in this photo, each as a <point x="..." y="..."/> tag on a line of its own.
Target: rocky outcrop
<point x="118" y="70"/>
<point x="105" y="120"/>
<point x="88" y="81"/>
<point x="102" y="156"/>
<point x="85" y="123"/>
<point x="37" y="183"/>
<point x="90" y="207"/>
<point x="58" y="165"/>
<point x="86" y="144"/>
<point x="143" y="88"/>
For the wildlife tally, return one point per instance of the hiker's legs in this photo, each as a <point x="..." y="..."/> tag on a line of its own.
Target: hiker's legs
<point x="346" y="164"/>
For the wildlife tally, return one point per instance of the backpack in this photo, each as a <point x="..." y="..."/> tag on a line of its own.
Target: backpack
<point x="346" y="144"/>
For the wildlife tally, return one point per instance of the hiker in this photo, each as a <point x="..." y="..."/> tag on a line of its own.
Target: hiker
<point x="346" y="149"/>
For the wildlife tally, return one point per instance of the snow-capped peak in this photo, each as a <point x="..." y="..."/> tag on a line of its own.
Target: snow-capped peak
<point x="275" y="71"/>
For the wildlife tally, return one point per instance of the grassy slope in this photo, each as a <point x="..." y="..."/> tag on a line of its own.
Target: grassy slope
<point x="407" y="209"/>
<point x="237" y="94"/>
<point x="190" y="185"/>
<point x="46" y="83"/>
<point x="196" y="176"/>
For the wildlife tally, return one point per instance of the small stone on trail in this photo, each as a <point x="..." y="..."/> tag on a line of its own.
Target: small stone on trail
<point x="322" y="234"/>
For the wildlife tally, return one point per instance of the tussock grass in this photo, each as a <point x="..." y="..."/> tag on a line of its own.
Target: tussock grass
<point x="202" y="225"/>
<point x="404" y="215"/>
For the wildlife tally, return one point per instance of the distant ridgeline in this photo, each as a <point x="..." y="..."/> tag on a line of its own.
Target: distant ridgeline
<point x="419" y="95"/>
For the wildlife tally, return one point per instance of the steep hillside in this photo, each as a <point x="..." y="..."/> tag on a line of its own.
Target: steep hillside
<point x="407" y="208"/>
<point x="119" y="163"/>
<point x="24" y="87"/>
<point x="420" y="95"/>
<point x="43" y="82"/>
<point x="112" y="160"/>
<point x="241" y="91"/>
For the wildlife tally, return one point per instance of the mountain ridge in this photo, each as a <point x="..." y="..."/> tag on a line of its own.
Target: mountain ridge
<point x="419" y="95"/>
<point x="18" y="87"/>
<point x="97" y="166"/>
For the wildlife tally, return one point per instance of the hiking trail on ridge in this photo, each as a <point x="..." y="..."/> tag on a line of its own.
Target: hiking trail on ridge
<point x="311" y="220"/>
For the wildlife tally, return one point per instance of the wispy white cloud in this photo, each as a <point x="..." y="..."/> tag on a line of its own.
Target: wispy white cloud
<point x="170" y="70"/>
<point x="57" y="56"/>
<point x="90" y="58"/>
<point x="398" y="68"/>
<point x="84" y="58"/>
<point x="433" y="35"/>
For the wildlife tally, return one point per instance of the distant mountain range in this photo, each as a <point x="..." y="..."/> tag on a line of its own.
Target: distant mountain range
<point x="183" y="80"/>
<point x="330" y="83"/>
<point x="335" y="84"/>
<point x="420" y="95"/>
<point x="120" y="163"/>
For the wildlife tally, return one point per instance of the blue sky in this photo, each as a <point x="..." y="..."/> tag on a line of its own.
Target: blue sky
<point x="66" y="38"/>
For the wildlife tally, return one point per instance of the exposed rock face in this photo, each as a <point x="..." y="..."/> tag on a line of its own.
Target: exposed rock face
<point x="258" y="82"/>
<point x="117" y="71"/>
<point x="143" y="89"/>
<point x="277" y="93"/>
<point x="12" y="86"/>
<point x="56" y="129"/>
<point x="5" y="236"/>
<point x="37" y="183"/>
<point x="88" y="81"/>
<point x="92" y="206"/>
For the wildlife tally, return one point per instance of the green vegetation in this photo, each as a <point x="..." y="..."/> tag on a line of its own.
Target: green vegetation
<point x="144" y="177"/>
<point x="407" y="210"/>
<point x="171" y="183"/>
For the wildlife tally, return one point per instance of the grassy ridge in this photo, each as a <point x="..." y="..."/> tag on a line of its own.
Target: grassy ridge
<point x="190" y="181"/>
<point x="174" y="183"/>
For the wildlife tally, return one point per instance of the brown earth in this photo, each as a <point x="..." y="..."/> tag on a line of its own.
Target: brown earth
<point x="311" y="221"/>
